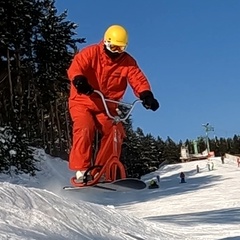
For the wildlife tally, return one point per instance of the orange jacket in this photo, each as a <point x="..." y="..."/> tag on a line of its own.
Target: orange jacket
<point x="110" y="76"/>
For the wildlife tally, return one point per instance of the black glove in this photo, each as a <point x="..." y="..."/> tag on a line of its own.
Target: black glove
<point x="80" y="82"/>
<point x="149" y="102"/>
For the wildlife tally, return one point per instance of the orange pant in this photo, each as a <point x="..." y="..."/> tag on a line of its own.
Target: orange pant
<point x="85" y="123"/>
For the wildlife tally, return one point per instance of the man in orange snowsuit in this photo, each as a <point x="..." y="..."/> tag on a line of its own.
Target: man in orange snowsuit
<point x="108" y="68"/>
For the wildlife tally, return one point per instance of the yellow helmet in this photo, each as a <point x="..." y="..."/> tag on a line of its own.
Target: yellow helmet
<point x="116" y="35"/>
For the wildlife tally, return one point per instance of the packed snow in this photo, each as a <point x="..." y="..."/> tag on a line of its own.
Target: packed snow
<point x="207" y="206"/>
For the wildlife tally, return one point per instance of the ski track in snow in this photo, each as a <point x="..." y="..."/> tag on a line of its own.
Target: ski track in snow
<point x="206" y="207"/>
<point x="28" y="210"/>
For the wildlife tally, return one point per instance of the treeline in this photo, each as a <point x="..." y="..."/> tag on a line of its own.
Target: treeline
<point x="36" y="47"/>
<point x="144" y="153"/>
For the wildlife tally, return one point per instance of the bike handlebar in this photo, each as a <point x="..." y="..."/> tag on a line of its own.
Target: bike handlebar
<point x="117" y="118"/>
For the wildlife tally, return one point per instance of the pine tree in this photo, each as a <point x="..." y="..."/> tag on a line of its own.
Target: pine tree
<point x="171" y="150"/>
<point x="15" y="153"/>
<point x="36" y="48"/>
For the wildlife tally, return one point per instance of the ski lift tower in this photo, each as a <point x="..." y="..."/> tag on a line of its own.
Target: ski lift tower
<point x="208" y="128"/>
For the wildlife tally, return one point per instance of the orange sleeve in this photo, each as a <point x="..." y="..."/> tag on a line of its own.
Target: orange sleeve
<point x="137" y="79"/>
<point x="80" y="64"/>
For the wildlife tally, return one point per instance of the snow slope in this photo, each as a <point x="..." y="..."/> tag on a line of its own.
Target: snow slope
<point x="206" y="207"/>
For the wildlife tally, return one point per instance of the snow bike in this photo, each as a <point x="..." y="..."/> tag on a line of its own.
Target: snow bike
<point x="113" y="170"/>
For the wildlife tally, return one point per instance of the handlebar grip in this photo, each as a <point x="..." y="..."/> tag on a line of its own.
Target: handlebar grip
<point x="117" y="118"/>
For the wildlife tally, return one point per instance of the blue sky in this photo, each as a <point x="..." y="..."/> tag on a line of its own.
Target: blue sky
<point x="190" y="52"/>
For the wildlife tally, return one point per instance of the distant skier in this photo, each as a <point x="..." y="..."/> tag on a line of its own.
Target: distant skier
<point x="238" y="162"/>
<point x="222" y="158"/>
<point x="182" y="177"/>
<point x="198" y="169"/>
<point x="153" y="184"/>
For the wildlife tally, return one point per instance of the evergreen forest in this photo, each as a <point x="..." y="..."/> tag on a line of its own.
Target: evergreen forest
<point x="36" y="47"/>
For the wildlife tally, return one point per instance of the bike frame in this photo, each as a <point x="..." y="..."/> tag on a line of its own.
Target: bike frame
<point x="113" y="164"/>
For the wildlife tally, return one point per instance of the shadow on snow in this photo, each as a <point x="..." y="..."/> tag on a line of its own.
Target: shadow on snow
<point x="228" y="216"/>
